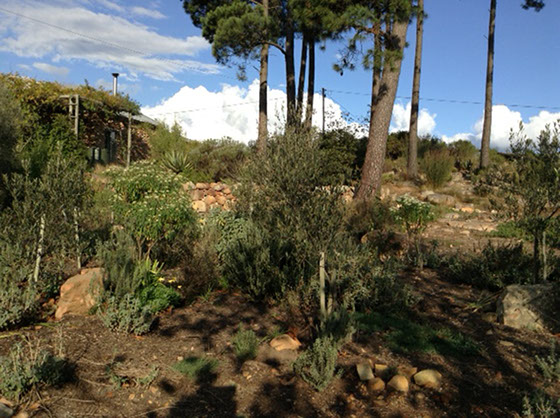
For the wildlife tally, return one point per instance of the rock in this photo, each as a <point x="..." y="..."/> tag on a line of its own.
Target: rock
<point x="467" y="209"/>
<point x="428" y="378"/>
<point x="201" y="186"/>
<point x="209" y="200"/>
<point x="211" y="192"/>
<point x="227" y="190"/>
<point x="6" y="411"/>
<point x="419" y="396"/>
<point x="533" y="307"/>
<point x="21" y="414"/>
<point x="219" y="187"/>
<point x="78" y="294"/>
<point x="189" y="185"/>
<point x="381" y="370"/>
<point x="506" y="343"/>
<point x="398" y="383"/>
<point x="376" y="385"/>
<point x="199" y="206"/>
<point x="407" y="372"/>
<point x="426" y="193"/>
<point x="284" y="342"/>
<point x="197" y="194"/>
<point x="221" y="200"/>
<point x="440" y="199"/>
<point x="364" y="371"/>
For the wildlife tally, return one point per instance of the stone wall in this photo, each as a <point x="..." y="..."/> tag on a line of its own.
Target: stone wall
<point x="206" y="196"/>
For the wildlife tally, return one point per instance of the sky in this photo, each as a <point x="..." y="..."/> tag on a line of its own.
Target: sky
<point x="167" y="67"/>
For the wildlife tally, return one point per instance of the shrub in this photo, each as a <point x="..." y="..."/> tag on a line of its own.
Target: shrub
<point x="217" y="160"/>
<point x="165" y="140"/>
<point x="177" y="162"/>
<point x="343" y="156"/>
<point x="414" y="216"/>
<point x="317" y="364"/>
<point x="364" y="216"/>
<point x="245" y="344"/>
<point x="539" y="405"/>
<point x="127" y="315"/>
<point x="465" y="154"/>
<point x="10" y="121"/>
<point x="494" y="268"/>
<point x="151" y="205"/>
<point x="197" y="368"/>
<point x="437" y="166"/>
<point x="549" y="366"/>
<point x="22" y="369"/>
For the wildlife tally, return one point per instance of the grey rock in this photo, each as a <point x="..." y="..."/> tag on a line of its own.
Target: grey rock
<point x="364" y="371"/>
<point x="533" y="307"/>
<point x="6" y="411"/>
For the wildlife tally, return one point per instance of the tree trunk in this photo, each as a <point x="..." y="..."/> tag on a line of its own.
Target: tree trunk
<point x="487" y="127"/>
<point x="301" y="80"/>
<point x="380" y="116"/>
<point x="412" y="165"/>
<point x="290" y="73"/>
<point x="263" y="93"/>
<point x="310" y="85"/>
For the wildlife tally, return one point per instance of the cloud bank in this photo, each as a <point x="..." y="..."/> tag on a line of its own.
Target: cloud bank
<point x="504" y="121"/>
<point x="94" y="32"/>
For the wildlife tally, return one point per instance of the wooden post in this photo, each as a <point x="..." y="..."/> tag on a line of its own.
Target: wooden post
<point x="129" y="140"/>
<point x="322" y="297"/>
<point x="39" y="249"/>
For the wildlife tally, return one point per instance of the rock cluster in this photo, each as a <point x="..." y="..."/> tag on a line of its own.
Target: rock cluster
<point x="78" y="294"/>
<point x="380" y="377"/>
<point x="206" y="196"/>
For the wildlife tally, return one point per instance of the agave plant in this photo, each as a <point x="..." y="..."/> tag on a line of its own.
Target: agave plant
<point x="176" y="161"/>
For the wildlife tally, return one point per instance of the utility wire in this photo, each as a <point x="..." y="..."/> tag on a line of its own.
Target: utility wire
<point x="107" y="43"/>
<point x="428" y="99"/>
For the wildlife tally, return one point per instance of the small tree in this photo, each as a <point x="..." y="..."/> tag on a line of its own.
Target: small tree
<point x="533" y="189"/>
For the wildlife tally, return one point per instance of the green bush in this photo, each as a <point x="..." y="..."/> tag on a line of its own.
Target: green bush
<point x="466" y="155"/>
<point x="245" y="345"/>
<point x="127" y="315"/>
<point x="343" y="156"/>
<point x="151" y="206"/>
<point x="22" y="369"/>
<point x="549" y="366"/>
<point x="494" y="268"/>
<point x="317" y="364"/>
<point x="217" y="160"/>
<point x="539" y="405"/>
<point x="177" y="162"/>
<point x="364" y="216"/>
<point x="165" y="140"/>
<point x="509" y="229"/>
<point x="197" y="368"/>
<point x="437" y="166"/>
<point x="10" y="121"/>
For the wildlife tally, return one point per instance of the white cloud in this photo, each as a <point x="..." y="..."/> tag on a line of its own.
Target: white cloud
<point x="140" y="49"/>
<point x="401" y="120"/>
<point x="51" y="69"/>
<point x="504" y="120"/>
<point x="233" y="112"/>
<point x="142" y="11"/>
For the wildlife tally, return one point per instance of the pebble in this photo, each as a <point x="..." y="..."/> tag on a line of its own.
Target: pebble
<point x="428" y="378"/>
<point x="398" y="383"/>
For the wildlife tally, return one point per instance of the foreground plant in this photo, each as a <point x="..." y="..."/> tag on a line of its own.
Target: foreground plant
<point x="317" y="364"/>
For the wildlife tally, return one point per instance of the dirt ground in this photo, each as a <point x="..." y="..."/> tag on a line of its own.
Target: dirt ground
<point x="490" y="384"/>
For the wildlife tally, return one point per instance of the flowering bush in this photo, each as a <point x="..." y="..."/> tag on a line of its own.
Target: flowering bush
<point x="150" y="204"/>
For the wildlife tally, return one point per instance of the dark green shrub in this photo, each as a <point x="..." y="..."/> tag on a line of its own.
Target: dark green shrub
<point x="540" y="405"/>
<point x="245" y="344"/>
<point x="217" y="160"/>
<point x="10" y="121"/>
<point x="397" y="145"/>
<point x="177" y="162"/>
<point x="549" y="366"/>
<point x="493" y="268"/>
<point x="509" y="229"/>
<point x="466" y="155"/>
<point x="197" y="368"/>
<point x="317" y="364"/>
<point x="126" y="315"/>
<point x="343" y="156"/>
<point x="437" y="166"/>
<point x="364" y="216"/>
<point x="165" y="140"/>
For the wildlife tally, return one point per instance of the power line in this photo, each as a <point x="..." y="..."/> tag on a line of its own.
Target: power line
<point x="456" y="101"/>
<point x="107" y="43"/>
<point x="211" y="108"/>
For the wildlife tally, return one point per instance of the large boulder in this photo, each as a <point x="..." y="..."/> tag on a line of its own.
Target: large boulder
<point x="78" y="294"/>
<point x="535" y="307"/>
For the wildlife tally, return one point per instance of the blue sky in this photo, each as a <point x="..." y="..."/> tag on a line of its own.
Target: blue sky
<point x="168" y="68"/>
